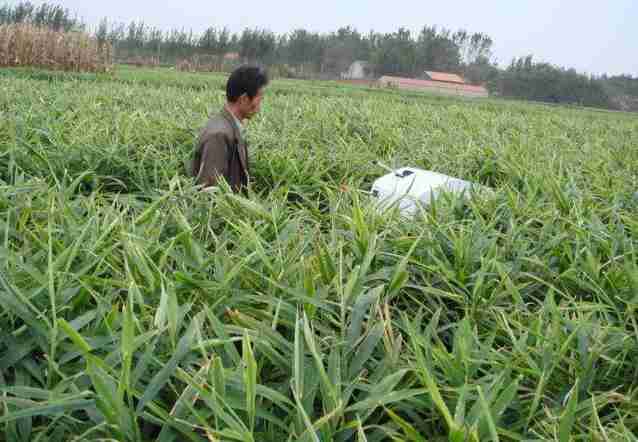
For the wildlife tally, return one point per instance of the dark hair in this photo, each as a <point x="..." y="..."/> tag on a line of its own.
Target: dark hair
<point x="245" y="80"/>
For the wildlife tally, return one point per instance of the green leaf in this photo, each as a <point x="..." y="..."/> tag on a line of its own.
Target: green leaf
<point x="162" y="377"/>
<point x="250" y="380"/>
<point x="409" y="431"/>
<point x="428" y="380"/>
<point x="365" y="350"/>
<point x="306" y="420"/>
<point x="127" y="347"/>
<point x="381" y="399"/>
<point x="487" y="415"/>
<point x="13" y="300"/>
<point x="150" y="210"/>
<point x="298" y="363"/>
<point x="49" y="408"/>
<point x="77" y="339"/>
<point x="400" y="275"/>
<point x="328" y="388"/>
<point x="359" y="311"/>
<point x="569" y="416"/>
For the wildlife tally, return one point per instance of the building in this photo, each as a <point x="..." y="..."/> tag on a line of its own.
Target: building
<point x="231" y="56"/>
<point x="436" y="82"/>
<point x="358" y="70"/>
<point x="444" y="77"/>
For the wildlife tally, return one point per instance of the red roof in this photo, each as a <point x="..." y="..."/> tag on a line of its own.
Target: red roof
<point x="411" y="82"/>
<point x="444" y="76"/>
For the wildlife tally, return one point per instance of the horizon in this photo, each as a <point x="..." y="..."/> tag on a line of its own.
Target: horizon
<point x="543" y="29"/>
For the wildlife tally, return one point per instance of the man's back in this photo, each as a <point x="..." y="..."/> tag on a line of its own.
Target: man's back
<point x="221" y="151"/>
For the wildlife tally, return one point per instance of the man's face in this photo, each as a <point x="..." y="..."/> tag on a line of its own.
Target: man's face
<point x="251" y="106"/>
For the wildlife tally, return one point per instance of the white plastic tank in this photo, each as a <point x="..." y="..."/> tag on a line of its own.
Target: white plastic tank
<point x="408" y="187"/>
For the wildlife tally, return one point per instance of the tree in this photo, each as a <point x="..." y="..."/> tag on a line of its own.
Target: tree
<point x="303" y="47"/>
<point x="527" y="79"/>
<point x="257" y="45"/>
<point x="482" y="71"/>
<point x="102" y="32"/>
<point x="47" y="15"/>
<point x="437" y="50"/>
<point x="344" y="47"/>
<point x="224" y="42"/>
<point x="395" y="53"/>
<point x="208" y="41"/>
<point x="474" y="47"/>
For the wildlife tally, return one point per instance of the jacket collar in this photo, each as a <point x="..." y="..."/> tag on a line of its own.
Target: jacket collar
<point x="234" y="122"/>
<point x="238" y="136"/>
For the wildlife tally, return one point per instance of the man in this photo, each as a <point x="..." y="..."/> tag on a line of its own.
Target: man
<point x="221" y="148"/>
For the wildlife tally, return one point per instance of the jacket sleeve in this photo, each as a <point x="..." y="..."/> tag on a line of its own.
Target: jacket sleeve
<point x="214" y="160"/>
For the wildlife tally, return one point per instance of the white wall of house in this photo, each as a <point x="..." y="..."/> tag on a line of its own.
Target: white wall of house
<point x="356" y="71"/>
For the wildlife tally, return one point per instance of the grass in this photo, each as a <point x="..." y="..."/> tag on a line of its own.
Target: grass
<point x="135" y="308"/>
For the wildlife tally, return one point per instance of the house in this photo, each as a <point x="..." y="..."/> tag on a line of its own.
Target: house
<point x="437" y="82"/>
<point x="443" y="77"/>
<point x="231" y="56"/>
<point x="358" y="70"/>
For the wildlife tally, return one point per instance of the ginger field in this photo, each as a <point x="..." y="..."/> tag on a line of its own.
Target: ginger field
<point x="134" y="307"/>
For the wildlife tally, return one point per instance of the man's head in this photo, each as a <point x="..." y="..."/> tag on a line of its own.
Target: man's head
<point x="244" y="90"/>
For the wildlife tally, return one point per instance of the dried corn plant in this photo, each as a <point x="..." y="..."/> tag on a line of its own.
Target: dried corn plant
<point x="29" y="45"/>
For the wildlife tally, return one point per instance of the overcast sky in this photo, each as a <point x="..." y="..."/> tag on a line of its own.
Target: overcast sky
<point x="593" y="37"/>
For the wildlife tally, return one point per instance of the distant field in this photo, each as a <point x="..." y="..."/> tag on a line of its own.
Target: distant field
<point x="135" y="308"/>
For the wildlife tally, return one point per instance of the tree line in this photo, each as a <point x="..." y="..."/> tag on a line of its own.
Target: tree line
<point x="540" y="81"/>
<point x="303" y="53"/>
<point x="398" y="52"/>
<point x="49" y="15"/>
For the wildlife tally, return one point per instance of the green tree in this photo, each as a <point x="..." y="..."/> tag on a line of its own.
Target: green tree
<point x="395" y="53"/>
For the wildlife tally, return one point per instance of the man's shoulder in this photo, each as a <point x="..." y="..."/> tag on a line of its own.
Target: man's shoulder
<point x="217" y="124"/>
